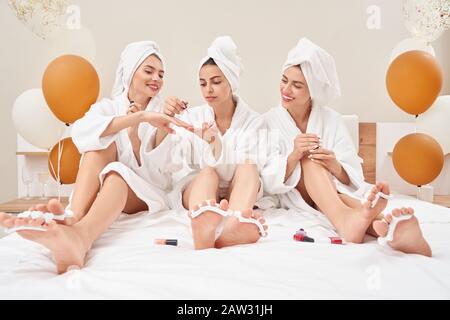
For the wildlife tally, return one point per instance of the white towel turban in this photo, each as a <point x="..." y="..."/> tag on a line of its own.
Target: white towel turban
<point x="319" y="70"/>
<point x="131" y="58"/>
<point x="223" y="52"/>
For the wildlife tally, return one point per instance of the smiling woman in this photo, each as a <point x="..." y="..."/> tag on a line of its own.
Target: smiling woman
<point x="321" y="172"/>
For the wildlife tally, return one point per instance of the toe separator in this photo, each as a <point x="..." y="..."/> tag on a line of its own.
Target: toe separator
<point x="392" y="226"/>
<point x="262" y="232"/>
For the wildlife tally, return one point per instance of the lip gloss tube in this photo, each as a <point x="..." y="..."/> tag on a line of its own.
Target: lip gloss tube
<point x="166" y="242"/>
<point x="304" y="238"/>
<point x="332" y="240"/>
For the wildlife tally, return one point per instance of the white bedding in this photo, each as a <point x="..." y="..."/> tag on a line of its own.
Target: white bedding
<point x="125" y="264"/>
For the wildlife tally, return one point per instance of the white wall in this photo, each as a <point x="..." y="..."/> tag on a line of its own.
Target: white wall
<point x="264" y="31"/>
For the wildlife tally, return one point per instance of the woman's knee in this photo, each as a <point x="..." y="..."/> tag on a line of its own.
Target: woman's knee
<point x="209" y="173"/>
<point x="104" y="156"/>
<point x="113" y="177"/>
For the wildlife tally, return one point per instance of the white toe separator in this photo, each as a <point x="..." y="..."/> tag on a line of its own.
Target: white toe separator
<point x="377" y="197"/>
<point x="227" y="214"/>
<point x="262" y="232"/>
<point x="47" y="216"/>
<point x="392" y="226"/>
<point x="209" y="207"/>
<point x="214" y="208"/>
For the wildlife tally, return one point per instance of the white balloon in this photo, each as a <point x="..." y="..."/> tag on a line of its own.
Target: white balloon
<point x="42" y="17"/>
<point x="435" y="122"/>
<point x="34" y="121"/>
<point x="411" y="44"/>
<point x="426" y="19"/>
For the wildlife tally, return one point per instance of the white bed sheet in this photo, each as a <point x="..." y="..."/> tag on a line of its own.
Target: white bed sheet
<point x="125" y="264"/>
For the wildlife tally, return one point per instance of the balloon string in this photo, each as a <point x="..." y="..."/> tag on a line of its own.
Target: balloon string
<point x="58" y="174"/>
<point x="60" y="150"/>
<point x="415" y="123"/>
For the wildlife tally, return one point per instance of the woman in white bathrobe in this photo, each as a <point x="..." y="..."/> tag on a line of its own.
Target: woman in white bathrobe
<point x="314" y="166"/>
<point x="120" y="171"/>
<point x="219" y="181"/>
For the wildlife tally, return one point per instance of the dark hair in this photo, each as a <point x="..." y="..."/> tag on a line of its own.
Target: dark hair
<point x="209" y="62"/>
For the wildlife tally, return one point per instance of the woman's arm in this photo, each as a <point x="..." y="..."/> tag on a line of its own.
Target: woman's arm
<point x="303" y="143"/>
<point x="341" y="175"/>
<point x="327" y="158"/>
<point x="123" y="122"/>
<point x="292" y="162"/>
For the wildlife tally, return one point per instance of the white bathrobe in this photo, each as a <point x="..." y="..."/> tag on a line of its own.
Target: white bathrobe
<point x="190" y="153"/>
<point x="329" y="125"/>
<point x="149" y="181"/>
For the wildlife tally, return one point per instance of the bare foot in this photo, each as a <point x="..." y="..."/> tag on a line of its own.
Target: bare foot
<point x="236" y="232"/>
<point x="356" y="223"/>
<point x="408" y="237"/>
<point x="65" y="243"/>
<point x="205" y="225"/>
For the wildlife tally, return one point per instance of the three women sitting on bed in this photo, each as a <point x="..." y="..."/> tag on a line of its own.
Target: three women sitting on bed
<point x="314" y="168"/>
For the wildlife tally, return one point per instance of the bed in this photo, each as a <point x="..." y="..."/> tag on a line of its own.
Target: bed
<point x="125" y="263"/>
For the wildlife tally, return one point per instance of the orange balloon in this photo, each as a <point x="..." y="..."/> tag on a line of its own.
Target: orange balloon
<point x="418" y="158"/>
<point x="70" y="85"/>
<point x="414" y="81"/>
<point x="70" y="161"/>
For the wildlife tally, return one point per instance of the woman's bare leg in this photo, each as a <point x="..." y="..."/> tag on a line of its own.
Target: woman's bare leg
<point x="114" y="198"/>
<point x="69" y="244"/>
<point x="87" y="184"/>
<point x="203" y="187"/>
<point x="351" y="223"/>
<point x="242" y="194"/>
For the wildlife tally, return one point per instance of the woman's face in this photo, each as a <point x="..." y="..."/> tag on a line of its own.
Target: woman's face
<point x="214" y="86"/>
<point x="294" y="89"/>
<point x="148" y="78"/>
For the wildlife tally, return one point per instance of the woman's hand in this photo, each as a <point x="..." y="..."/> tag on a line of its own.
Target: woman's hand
<point x="174" y="106"/>
<point x="327" y="159"/>
<point x="208" y="132"/>
<point x="133" y="108"/>
<point x="163" y="122"/>
<point x="303" y="144"/>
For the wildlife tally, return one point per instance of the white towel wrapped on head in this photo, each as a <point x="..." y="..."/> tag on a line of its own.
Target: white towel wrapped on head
<point x="131" y="58"/>
<point x="319" y="70"/>
<point x="223" y="52"/>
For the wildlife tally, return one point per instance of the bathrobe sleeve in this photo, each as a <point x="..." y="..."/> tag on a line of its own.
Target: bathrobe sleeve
<point x="194" y="148"/>
<point x="86" y="132"/>
<point x="273" y="172"/>
<point x="166" y="159"/>
<point x="348" y="157"/>
<point x="249" y="145"/>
